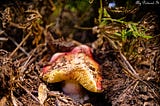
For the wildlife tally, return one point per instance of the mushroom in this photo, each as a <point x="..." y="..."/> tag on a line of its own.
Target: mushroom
<point x="76" y="68"/>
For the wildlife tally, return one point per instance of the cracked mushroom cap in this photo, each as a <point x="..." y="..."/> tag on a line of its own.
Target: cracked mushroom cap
<point x="77" y="65"/>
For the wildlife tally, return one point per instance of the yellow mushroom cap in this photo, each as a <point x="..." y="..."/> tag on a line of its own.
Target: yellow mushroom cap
<point x="77" y="65"/>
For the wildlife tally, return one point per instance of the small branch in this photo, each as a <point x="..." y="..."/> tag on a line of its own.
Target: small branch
<point x="23" y="50"/>
<point x="52" y="4"/>
<point x="10" y="38"/>
<point x="82" y="28"/>
<point x="35" y="98"/>
<point x="3" y="39"/>
<point x="30" y="58"/>
<point x="127" y="66"/>
<point x="26" y="37"/>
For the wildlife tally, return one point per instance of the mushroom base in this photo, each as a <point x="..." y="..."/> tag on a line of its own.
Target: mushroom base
<point x="74" y="90"/>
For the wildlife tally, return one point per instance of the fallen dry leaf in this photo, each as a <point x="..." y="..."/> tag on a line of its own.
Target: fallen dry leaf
<point x="42" y="93"/>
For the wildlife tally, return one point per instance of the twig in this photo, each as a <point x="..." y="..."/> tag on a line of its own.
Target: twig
<point x="30" y="60"/>
<point x="17" y="25"/>
<point x="35" y="98"/>
<point x="52" y="4"/>
<point x="136" y="84"/>
<point x="125" y="90"/>
<point x="10" y="38"/>
<point x="3" y="39"/>
<point x="128" y="66"/>
<point x="26" y="37"/>
<point x="82" y="28"/>
<point x="23" y="50"/>
<point x="15" y="101"/>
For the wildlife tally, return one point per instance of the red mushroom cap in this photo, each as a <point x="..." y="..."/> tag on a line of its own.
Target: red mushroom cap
<point x="77" y="65"/>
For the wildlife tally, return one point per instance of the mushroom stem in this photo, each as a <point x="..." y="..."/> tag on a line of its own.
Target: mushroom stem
<point x="74" y="90"/>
